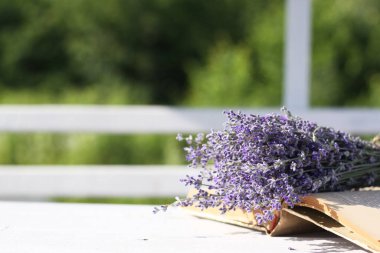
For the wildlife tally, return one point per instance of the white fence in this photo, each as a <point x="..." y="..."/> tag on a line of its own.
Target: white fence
<point x="52" y="181"/>
<point x="41" y="182"/>
<point x="163" y="119"/>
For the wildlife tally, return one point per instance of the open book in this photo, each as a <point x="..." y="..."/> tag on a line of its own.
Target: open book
<point x="353" y="215"/>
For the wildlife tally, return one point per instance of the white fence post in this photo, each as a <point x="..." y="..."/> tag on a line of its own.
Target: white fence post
<point x="297" y="54"/>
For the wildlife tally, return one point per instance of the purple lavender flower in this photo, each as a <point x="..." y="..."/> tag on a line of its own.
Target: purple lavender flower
<point x="259" y="163"/>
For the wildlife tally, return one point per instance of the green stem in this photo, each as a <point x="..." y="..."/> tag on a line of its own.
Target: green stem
<point x="358" y="173"/>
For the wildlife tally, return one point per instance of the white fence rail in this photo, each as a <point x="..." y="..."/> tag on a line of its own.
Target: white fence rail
<point x="297" y="54"/>
<point x="163" y="119"/>
<point x="42" y="182"/>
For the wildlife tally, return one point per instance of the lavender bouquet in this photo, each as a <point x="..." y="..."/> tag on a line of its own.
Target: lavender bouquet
<point x="259" y="163"/>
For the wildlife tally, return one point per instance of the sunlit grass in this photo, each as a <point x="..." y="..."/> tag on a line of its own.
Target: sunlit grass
<point x="81" y="149"/>
<point x="121" y="200"/>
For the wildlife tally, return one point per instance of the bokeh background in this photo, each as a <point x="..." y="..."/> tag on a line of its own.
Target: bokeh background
<point x="172" y="52"/>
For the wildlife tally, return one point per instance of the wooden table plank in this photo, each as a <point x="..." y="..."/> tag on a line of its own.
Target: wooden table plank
<point x="82" y="228"/>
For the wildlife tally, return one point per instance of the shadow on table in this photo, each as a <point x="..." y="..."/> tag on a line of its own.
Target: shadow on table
<point x="323" y="241"/>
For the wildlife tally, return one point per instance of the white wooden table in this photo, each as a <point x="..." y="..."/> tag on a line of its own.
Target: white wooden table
<point x="53" y="227"/>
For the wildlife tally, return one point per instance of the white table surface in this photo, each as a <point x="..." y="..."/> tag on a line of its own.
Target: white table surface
<point x="57" y="228"/>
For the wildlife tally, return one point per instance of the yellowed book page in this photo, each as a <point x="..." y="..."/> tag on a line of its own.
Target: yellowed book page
<point x="326" y="222"/>
<point x="281" y="225"/>
<point x="352" y="215"/>
<point x="357" y="210"/>
<point x="237" y="217"/>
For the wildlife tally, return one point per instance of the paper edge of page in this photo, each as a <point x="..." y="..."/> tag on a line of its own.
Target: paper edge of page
<point x="342" y="231"/>
<point x="286" y="222"/>
<point x="319" y="203"/>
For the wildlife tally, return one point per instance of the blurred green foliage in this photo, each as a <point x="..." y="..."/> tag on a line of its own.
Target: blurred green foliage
<point x="121" y="200"/>
<point x="346" y="66"/>
<point x="246" y="73"/>
<point x="176" y="52"/>
<point x="89" y="149"/>
<point x="145" y="45"/>
<point x="181" y="52"/>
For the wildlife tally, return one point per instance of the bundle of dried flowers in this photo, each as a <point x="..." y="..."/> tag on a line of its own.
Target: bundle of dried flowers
<point x="258" y="163"/>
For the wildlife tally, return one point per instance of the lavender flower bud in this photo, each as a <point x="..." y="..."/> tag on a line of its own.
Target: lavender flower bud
<point x="259" y="162"/>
